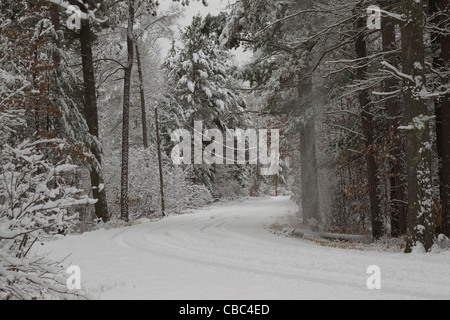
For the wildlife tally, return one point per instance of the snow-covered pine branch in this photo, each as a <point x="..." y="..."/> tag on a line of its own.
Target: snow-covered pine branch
<point x="34" y="201"/>
<point x="396" y="72"/>
<point x="82" y="15"/>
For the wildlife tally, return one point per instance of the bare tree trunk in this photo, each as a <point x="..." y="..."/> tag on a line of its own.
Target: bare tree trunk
<point x="442" y="109"/>
<point x="161" y="177"/>
<point x="395" y="115"/>
<point x="369" y="135"/>
<point x="308" y="161"/>
<point x="446" y="155"/>
<point x="91" y="115"/>
<point x="142" y="93"/>
<point x="126" y="114"/>
<point x="445" y="107"/>
<point x="434" y="7"/>
<point x="418" y="140"/>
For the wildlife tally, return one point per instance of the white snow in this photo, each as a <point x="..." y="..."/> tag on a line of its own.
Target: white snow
<point x="225" y="252"/>
<point x="191" y="86"/>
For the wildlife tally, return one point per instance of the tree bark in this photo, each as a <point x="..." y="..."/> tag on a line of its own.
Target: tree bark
<point x="308" y="161"/>
<point x="434" y="7"/>
<point x="369" y="135"/>
<point x="54" y="14"/>
<point x="442" y="109"/>
<point x="445" y="113"/>
<point x="142" y="93"/>
<point x="394" y="110"/>
<point x="161" y="177"/>
<point x="126" y="114"/>
<point x="418" y="150"/>
<point x="91" y="115"/>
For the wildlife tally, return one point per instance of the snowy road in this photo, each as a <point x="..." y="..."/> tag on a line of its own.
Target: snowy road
<point x="224" y="252"/>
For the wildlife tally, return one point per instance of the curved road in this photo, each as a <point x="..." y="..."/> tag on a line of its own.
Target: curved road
<point x="225" y="252"/>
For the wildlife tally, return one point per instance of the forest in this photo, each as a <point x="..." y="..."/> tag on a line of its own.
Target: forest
<point x="359" y="92"/>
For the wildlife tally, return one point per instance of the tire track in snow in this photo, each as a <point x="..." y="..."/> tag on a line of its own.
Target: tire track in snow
<point x="221" y="244"/>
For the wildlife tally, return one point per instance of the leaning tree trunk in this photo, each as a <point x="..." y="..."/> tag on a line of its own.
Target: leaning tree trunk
<point x="418" y="141"/>
<point x="126" y="114"/>
<point x="91" y="115"/>
<point x="160" y="166"/>
<point x="308" y="161"/>
<point x="369" y="135"/>
<point x="398" y="199"/>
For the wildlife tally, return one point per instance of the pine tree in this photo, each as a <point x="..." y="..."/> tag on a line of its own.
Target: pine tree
<point x="200" y="74"/>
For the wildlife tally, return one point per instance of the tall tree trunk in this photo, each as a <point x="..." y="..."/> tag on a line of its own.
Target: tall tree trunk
<point x="434" y="7"/>
<point x="441" y="42"/>
<point x="308" y="161"/>
<point x="394" y="107"/>
<point x="142" y="93"/>
<point x="445" y="113"/>
<point x="91" y="114"/>
<point x="126" y="114"/>
<point x="369" y="135"/>
<point x="445" y="227"/>
<point x="418" y="142"/>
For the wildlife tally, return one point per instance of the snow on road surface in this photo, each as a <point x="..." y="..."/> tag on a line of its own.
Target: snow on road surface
<point x="224" y="252"/>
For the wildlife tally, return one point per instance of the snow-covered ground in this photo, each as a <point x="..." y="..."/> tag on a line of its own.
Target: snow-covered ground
<point x="224" y="252"/>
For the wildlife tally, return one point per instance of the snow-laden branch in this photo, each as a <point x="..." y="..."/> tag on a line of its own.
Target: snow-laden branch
<point x="35" y="198"/>
<point x="423" y="93"/>
<point x="392" y="93"/>
<point x="392" y="69"/>
<point x="66" y="5"/>
<point x="418" y="123"/>
<point x="72" y="9"/>
<point x="399" y="17"/>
